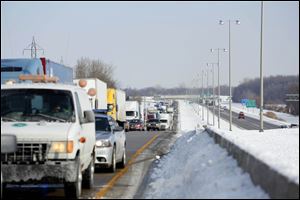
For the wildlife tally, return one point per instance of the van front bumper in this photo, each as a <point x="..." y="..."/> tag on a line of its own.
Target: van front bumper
<point x="50" y="171"/>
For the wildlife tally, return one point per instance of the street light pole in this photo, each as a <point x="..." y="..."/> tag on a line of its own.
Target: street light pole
<point x="213" y="92"/>
<point x="202" y="97"/>
<point x="219" y="106"/>
<point x="230" y="96"/>
<point x="207" y="95"/>
<point x="219" y="113"/>
<point x="261" y="72"/>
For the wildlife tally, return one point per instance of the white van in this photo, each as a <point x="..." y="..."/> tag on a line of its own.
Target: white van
<point x="55" y="129"/>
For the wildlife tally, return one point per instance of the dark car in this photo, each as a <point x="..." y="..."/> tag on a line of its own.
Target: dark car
<point x="153" y="124"/>
<point x="241" y="115"/>
<point x="136" y="125"/>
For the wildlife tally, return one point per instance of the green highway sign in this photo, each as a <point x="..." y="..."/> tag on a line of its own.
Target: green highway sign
<point x="251" y="103"/>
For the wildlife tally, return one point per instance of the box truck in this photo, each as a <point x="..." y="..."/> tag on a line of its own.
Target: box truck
<point x="116" y="105"/>
<point x="11" y="69"/>
<point x="98" y="100"/>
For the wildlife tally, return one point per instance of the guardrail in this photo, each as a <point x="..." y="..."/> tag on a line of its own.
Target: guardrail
<point x="275" y="184"/>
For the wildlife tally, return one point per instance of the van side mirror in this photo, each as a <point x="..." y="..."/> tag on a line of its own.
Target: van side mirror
<point x="89" y="116"/>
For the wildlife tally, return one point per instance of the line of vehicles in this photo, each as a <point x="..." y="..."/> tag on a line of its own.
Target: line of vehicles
<point x="55" y="129"/>
<point x="149" y="115"/>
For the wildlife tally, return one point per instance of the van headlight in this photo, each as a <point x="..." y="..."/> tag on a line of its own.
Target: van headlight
<point x="103" y="143"/>
<point x="62" y="147"/>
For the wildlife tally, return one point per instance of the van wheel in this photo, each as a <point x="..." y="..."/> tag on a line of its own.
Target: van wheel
<point x="113" y="161"/>
<point x="88" y="176"/>
<point x="73" y="189"/>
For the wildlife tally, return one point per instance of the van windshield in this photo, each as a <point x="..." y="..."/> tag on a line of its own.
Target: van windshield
<point x="36" y="105"/>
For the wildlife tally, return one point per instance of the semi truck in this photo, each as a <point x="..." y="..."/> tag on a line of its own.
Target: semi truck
<point x="116" y="105"/>
<point x="98" y="100"/>
<point x="132" y="110"/>
<point x="11" y="69"/>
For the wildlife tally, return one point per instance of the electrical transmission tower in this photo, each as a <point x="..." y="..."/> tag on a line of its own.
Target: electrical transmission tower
<point x="34" y="48"/>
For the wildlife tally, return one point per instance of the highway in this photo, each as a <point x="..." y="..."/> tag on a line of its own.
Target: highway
<point x="248" y="123"/>
<point x="135" y="141"/>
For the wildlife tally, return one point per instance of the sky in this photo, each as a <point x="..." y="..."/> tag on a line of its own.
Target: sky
<point x="164" y="44"/>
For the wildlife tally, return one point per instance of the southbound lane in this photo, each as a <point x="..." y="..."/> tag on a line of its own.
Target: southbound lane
<point x="135" y="140"/>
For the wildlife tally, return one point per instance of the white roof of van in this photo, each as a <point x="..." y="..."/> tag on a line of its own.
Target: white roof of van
<point x="39" y="86"/>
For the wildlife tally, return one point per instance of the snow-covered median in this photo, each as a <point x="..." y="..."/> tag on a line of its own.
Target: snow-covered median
<point x="198" y="168"/>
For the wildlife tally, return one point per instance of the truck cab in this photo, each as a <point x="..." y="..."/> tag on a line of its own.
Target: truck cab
<point x="55" y="130"/>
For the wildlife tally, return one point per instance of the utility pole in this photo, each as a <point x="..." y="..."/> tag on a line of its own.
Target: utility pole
<point x="34" y="48"/>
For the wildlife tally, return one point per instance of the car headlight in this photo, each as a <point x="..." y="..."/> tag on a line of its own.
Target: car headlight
<point x="103" y="143"/>
<point x="62" y="147"/>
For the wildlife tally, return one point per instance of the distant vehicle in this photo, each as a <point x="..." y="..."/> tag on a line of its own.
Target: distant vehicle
<point x="132" y="110"/>
<point x="116" y="105"/>
<point x="136" y="125"/>
<point x="110" y="143"/>
<point x="153" y="124"/>
<point x="11" y="69"/>
<point x="283" y="126"/>
<point x="165" y="121"/>
<point x="170" y="110"/>
<point x="241" y="115"/>
<point x="99" y="99"/>
<point x="64" y="152"/>
<point x="294" y="126"/>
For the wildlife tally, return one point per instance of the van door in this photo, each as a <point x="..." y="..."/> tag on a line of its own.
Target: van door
<point x="87" y="129"/>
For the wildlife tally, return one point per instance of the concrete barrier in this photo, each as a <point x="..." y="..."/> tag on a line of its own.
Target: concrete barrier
<point x="275" y="184"/>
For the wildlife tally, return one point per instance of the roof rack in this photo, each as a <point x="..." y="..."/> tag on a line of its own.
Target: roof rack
<point x="38" y="78"/>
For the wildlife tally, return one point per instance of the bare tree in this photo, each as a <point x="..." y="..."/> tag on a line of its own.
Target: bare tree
<point x="87" y="68"/>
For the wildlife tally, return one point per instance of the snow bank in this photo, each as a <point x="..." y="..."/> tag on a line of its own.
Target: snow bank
<point x="198" y="168"/>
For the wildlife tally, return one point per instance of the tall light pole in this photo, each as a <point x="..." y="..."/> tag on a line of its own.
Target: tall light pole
<point x="207" y="120"/>
<point x="221" y="22"/>
<point x="213" y="91"/>
<point x="219" y="108"/>
<point x="202" y="96"/>
<point x="261" y="129"/>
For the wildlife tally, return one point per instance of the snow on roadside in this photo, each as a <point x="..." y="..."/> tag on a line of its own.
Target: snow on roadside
<point x="196" y="167"/>
<point x="278" y="148"/>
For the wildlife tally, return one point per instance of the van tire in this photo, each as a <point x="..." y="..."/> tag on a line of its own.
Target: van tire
<point x="88" y="176"/>
<point x="73" y="189"/>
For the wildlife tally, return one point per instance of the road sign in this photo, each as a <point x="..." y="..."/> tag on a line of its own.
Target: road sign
<point x="251" y="104"/>
<point x="248" y="103"/>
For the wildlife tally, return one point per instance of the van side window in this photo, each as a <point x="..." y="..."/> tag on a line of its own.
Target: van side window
<point x="80" y="115"/>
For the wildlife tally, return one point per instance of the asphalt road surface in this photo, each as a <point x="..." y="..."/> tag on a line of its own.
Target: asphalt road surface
<point x="135" y="140"/>
<point x="248" y="123"/>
